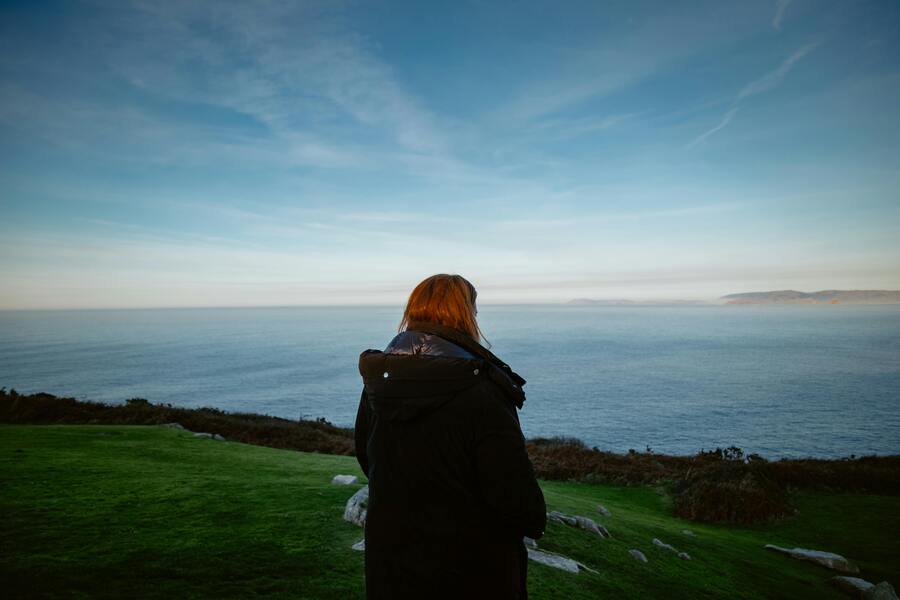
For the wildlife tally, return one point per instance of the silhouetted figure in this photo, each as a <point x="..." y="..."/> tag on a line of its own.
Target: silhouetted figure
<point x="451" y="489"/>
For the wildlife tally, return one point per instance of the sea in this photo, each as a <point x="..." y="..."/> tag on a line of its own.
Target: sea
<point x="776" y="380"/>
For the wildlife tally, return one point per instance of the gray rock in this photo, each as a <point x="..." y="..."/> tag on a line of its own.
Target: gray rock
<point x="555" y="515"/>
<point x="579" y="521"/>
<point x="882" y="591"/>
<point x="218" y="437"/>
<point x="173" y="425"/>
<point x="529" y="543"/>
<point x="688" y="533"/>
<point x="637" y="555"/>
<point x="671" y="548"/>
<point x="360" y="546"/>
<point x="852" y="586"/>
<point x="203" y="435"/>
<point x="664" y="546"/>
<point x="558" y="561"/>
<point x="830" y="560"/>
<point x="603" y="510"/>
<point x="355" y="510"/>
<point x="344" y="479"/>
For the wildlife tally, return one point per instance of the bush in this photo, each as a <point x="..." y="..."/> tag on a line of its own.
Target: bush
<point x="263" y="430"/>
<point x="731" y="492"/>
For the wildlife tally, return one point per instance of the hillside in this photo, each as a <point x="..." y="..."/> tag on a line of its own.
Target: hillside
<point x="821" y="297"/>
<point x="153" y="512"/>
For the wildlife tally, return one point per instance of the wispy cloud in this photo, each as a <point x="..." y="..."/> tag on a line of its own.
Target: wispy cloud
<point x="773" y="78"/>
<point x="726" y="119"/>
<point x="631" y="53"/>
<point x="757" y="86"/>
<point x="780" y="7"/>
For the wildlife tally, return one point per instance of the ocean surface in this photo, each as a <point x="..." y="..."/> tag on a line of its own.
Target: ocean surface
<point x="777" y="380"/>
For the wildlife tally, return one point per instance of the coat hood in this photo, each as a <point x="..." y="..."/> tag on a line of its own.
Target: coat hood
<point x="405" y="385"/>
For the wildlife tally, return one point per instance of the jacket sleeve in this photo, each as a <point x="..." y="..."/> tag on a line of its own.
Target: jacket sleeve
<point x="505" y="473"/>
<point x="361" y="434"/>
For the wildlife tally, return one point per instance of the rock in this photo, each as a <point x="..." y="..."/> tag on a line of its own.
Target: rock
<point x="555" y="515"/>
<point x="826" y="559"/>
<point x="637" y="555"/>
<point x="344" y="479"/>
<point x="603" y="510"/>
<point x="664" y="546"/>
<point x="529" y="543"/>
<point x="684" y="556"/>
<point x="173" y="425"/>
<point x="218" y="437"/>
<point x="360" y="546"/>
<point x="585" y="523"/>
<point x="557" y="561"/>
<point x="688" y="533"/>
<point x="355" y="510"/>
<point x="203" y="435"/>
<point x="852" y="586"/>
<point x="882" y="591"/>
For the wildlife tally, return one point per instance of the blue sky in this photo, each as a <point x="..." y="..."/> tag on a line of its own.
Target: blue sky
<point x="264" y="153"/>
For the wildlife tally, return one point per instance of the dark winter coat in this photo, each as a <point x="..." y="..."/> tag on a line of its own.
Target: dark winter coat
<point x="451" y="489"/>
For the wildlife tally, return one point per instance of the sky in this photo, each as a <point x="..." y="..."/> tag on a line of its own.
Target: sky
<point x="190" y="153"/>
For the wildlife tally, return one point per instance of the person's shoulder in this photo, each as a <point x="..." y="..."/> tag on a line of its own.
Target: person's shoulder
<point x="423" y="343"/>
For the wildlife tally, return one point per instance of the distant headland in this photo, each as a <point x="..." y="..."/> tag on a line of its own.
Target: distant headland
<point x="822" y="297"/>
<point x="776" y="297"/>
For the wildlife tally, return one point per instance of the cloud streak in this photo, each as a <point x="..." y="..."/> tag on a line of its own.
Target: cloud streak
<point x="780" y="7"/>
<point x="758" y="86"/>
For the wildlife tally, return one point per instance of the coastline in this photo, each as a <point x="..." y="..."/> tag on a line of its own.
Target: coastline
<point x="695" y="482"/>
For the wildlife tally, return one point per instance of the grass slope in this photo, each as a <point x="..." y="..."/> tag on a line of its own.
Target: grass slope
<point x="148" y="512"/>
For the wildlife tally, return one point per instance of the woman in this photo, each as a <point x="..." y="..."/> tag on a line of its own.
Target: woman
<point x="451" y="489"/>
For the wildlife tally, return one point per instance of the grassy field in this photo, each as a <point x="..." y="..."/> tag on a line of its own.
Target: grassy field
<point x="150" y="512"/>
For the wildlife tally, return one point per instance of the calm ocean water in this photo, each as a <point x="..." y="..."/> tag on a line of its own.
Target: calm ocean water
<point x="777" y="380"/>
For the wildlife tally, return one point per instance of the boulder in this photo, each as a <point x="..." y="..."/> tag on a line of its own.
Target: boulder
<point x="830" y="560"/>
<point x="529" y="543"/>
<point x="603" y="510"/>
<point x="203" y="435"/>
<point x="218" y="437"/>
<point x="555" y="515"/>
<point x="664" y="546"/>
<point x="344" y="479"/>
<point x="688" y="533"/>
<point x="557" y="561"/>
<point x="355" y="510"/>
<point x="359" y="546"/>
<point x="579" y="521"/>
<point x="684" y="556"/>
<point x="173" y="425"/>
<point x="637" y="555"/>
<point x="852" y="586"/>
<point x="882" y="591"/>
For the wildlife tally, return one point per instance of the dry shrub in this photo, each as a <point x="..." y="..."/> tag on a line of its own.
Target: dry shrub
<point x="731" y="492"/>
<point x="262" y="430"/>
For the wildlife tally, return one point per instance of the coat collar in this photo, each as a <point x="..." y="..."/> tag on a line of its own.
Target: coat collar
<point x="504" y="374"/>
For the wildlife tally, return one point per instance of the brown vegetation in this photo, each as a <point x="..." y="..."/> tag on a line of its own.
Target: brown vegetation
<point x="307" y="436"/>
<point x="718" y="485"/>
<point x="731" y="493"/>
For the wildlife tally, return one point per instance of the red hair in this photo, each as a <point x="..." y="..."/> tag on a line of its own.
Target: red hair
<point x="447" y="300"/>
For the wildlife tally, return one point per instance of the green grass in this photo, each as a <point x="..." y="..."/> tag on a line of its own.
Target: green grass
<point x="150" y="512"/>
